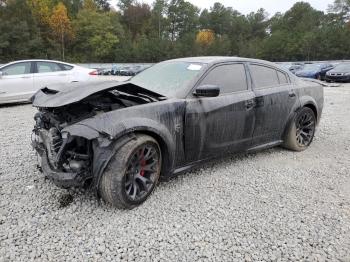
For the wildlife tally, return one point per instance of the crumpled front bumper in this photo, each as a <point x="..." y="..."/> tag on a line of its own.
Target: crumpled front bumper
<point x="61" y="179"/>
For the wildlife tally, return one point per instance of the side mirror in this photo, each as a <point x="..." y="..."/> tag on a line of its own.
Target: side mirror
<point x="207" y="91"/>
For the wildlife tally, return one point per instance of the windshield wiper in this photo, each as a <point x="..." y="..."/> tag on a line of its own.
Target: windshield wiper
<point x="151" y="98"/>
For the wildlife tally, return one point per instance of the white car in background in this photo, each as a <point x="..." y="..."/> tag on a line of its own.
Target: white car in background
<point x="21" y="79"/>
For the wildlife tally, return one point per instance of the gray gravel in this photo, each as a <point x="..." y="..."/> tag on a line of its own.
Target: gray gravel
<point x="272" y="205"/>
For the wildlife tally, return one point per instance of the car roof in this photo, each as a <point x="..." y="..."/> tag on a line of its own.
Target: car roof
<point x="221" y="59"/>
<point x="38" y="60"/>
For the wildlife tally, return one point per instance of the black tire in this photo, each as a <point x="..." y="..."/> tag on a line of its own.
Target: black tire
<point x="301" y="130"/>
<point x="132" y="173"/>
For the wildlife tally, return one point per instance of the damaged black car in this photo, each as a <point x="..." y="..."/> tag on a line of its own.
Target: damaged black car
<point x="121" y="137"/>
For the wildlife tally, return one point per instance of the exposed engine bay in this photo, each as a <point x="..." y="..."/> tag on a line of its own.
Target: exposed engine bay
<point x="73" y="154"/>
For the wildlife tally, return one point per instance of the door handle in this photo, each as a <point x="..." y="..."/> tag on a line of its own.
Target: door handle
<point x="249" y="104"/>
<point x="2" y="93"/>
<point x="292" y="94"/>
<point x="25" y="76"/>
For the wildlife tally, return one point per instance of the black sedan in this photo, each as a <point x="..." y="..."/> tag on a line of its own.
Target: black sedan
<point x="120" y="137"/>
<point x="340" y="73"/>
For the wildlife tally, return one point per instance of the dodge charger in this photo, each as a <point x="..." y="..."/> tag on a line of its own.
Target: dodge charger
<point x="119" y="138"/>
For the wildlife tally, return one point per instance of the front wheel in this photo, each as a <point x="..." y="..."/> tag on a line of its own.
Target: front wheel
<point x="301" y="130"/>
<point x="132" y="174"/>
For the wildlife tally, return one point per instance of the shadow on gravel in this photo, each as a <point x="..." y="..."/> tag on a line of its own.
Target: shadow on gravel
<point x="217" y="162"/>
<point x="67" y="198"/>
<point x="14" y="104"/>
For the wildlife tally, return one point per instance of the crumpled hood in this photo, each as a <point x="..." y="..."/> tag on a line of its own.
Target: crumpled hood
<point x="64" y="94"/>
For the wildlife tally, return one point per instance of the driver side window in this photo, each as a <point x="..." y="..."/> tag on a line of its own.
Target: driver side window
<point x="230" y="78"/>
<point x="17" y="69"/>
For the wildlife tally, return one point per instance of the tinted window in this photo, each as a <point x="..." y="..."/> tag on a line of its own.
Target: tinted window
<point x="17" y="69"/>
<point x="264" y="76"/>
<point x="65" y="67"/>
<point x="46" y="67"/>
<point x="230" y="78"/>
<point x="282" y="78"/>
<point x="343" y="67"/>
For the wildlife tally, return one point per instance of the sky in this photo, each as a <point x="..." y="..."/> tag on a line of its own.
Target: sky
<point x="247" y="6"/>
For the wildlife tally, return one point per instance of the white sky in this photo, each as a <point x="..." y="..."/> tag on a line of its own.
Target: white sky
<point x="247" y="6"/>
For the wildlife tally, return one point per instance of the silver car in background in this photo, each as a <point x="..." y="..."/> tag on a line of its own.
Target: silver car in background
<point x="21" y="79"/>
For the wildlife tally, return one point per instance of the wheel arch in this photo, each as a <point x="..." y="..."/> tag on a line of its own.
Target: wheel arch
<point x="167" y="155"/>
<point x="304" y="103"/>
<point x="312" y="107"/>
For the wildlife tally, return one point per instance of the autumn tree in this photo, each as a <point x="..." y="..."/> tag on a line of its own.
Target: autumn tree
<point x="205" y="37"/>
<point x="61" y="27"/>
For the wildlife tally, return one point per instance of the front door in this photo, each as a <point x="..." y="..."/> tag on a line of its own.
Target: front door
<point x="16" y="82"/>
<point x="220" y="125"/>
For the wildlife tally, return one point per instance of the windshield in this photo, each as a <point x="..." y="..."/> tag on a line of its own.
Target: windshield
<point x="310" y="67"/>
<point x="167" y="78"/>
<point x="342" y="67"/>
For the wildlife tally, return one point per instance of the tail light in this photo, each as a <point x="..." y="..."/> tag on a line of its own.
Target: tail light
<point x="93" y="73"/>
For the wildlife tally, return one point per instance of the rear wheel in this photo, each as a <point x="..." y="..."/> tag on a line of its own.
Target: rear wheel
<point x="301" y="130"/>
<point x="132" y="174"/>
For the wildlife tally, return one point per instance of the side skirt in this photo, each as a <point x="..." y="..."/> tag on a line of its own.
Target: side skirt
<point x="265" y="146"/>
<point x="188" y="167"/>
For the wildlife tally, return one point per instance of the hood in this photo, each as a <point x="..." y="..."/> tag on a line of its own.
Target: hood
<point x="335" y="71"/>
<point x="64" y="94"/>
<point x="307" y="72"/>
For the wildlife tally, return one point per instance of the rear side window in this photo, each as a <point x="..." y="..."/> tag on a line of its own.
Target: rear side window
<point x="17" y="69"/>
<point x="264" y="76"/>
<point x="230" y="78"/>
<point x="47" y="67"/>
<point x="282" y="77"/>
<point x="65" y="67"/>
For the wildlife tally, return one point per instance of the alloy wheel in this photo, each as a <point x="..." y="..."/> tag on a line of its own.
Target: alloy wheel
<point x="141" y="172"/>
<point x="305" y="125"/>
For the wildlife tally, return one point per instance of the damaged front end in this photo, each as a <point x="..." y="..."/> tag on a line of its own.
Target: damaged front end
<point x="71" y="153"/>
<point x="65" y="159"/>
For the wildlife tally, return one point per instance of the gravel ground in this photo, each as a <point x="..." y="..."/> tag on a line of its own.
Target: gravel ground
<point x="272" y="205"/>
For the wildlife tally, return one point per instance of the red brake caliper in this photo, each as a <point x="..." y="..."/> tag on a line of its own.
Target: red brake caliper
<point x="143" y="163"/>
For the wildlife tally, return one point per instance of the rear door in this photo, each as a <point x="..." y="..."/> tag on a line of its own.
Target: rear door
<point x="275" y="100"/>
<point x="48" y="73"/>
<point x="223" y="124"/>
<point x="16" y="83"/>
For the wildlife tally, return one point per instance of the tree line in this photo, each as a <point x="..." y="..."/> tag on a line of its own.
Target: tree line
<point x="93" y="31"/>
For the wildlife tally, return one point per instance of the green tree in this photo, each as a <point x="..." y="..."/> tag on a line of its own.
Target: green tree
<point x="97" y="35"/>
<point x="19" y="34"/>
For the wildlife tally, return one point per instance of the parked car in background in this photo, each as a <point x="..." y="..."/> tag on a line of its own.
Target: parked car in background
<point x="131" y="70"/>
<point x="120" y="137"/>
<point x="340" y="73"/>
<point x="21" y="79"/>
<point x="295" y="68"/>
<point x="316" y="71"/>
<point x="104" y="71"/>
<point x="292" y="67"/>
